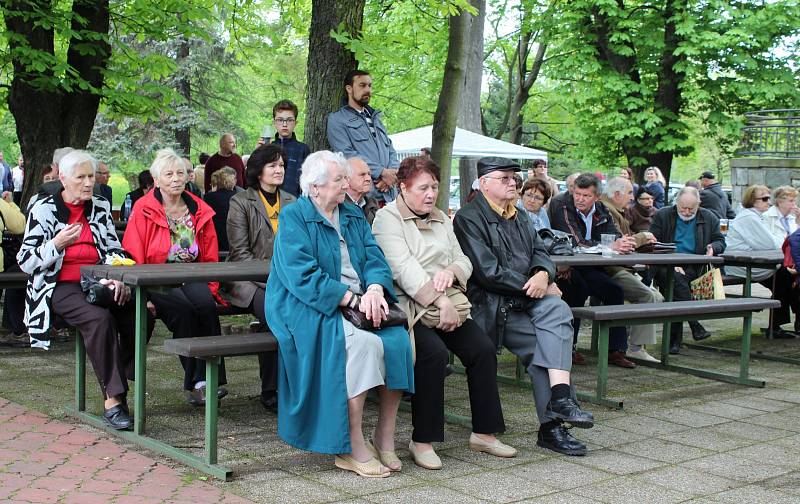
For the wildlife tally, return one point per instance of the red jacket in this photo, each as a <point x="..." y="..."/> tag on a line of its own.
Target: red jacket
<point x="147" y="237"/>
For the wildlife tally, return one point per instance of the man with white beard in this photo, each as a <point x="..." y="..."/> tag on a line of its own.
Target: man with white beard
<point x="694" y="230"/>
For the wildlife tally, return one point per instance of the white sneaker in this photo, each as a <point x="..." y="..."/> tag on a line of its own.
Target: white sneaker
<point x="641" y="354"/>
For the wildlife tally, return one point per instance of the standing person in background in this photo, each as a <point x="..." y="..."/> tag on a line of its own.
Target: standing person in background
<point x="656" y="186"/>
<point x="356" y="130"/>
<point x="18" y="178"/>
<point x="557" y="201"/>
<point x="712" y="197"/>
<point x="284" y="117"/>
<point x="191" y="186"/>
<point x="101" y="180"/>
<point x="6" y="182"/>
<point x="219" y="200"/>
<point x="225" y="157"/>
<point x="539" y="171"/>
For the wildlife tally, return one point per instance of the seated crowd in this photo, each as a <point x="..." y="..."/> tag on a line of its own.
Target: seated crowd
<point x="471" y="285"/>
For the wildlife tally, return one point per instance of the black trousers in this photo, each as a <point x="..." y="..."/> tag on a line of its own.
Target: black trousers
<point x="786" y="293"/>
<point x="14" y="307"/>
<point x="190" y="311"/>
<point x="681" y="291"/>
<point x="108" y="334"/>
<point x="267" y="361"/>
<point x="589" y="281"/>
<point x="477" y="352"/>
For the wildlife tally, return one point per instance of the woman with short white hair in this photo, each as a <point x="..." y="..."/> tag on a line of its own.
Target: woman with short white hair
<point x="325" y="258"/>
<point x="65" y="231"/>
<point x="171" y="225"/>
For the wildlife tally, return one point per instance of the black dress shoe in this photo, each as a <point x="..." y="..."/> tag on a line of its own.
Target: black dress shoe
<point x="675" y="349"/>
<point x="448" y="370"/>
<point x="554" y="436"/>
<point x="567" y="410"/>
<point x="270" y="401"/>
<point x="699" y="332"/>
<point x="118" y="418"/>
<point x="778" y="333"/>
<point x="197" y="397"/>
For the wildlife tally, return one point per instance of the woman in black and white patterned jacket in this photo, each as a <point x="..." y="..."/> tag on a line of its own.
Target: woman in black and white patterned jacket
<point x="65" y="231"/>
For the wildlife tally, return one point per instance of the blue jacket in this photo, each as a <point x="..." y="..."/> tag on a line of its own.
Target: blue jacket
<point x="296" y="152"/>
<point x="656" y="190"/>
<point x="302" y="310"/>
<point x="349" y="134"/>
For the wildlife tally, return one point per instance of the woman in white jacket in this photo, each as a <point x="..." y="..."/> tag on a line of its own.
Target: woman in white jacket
<point x="750" y="231"/>
<point x="782" y="217"/>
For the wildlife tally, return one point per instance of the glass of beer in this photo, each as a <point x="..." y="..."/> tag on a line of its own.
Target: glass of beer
<point x="723" y="226"/>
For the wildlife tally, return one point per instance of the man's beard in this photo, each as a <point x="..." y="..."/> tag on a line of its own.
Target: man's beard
<point x="687" y="219"/>
<point x="363" y="101"/>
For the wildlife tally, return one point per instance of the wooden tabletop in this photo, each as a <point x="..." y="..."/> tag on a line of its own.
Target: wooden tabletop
<point x="634" y="259"/>
<point x="753" y="257"/>
<point x="179" y="273"/>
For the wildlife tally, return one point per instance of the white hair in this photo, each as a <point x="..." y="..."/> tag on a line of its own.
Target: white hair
<point x="165" y="158"/>
<point x="616" y="185"/>
<point x="59" y="154"/>
<point x="315" y="168"/>
<point x="688" y="190"/>
<point x="73" y="159"/>
<point x="350" y="161"/>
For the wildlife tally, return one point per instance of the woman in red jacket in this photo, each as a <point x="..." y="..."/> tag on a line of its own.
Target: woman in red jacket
<point x="172" y="225"/>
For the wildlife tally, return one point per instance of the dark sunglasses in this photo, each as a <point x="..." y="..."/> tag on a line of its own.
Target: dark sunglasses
<point x="764" y="198"/>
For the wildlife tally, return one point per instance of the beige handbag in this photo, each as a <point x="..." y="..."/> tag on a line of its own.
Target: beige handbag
<point x="430" y="316"/>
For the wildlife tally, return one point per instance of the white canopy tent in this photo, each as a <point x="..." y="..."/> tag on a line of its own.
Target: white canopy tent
<point x="466" y="144"/>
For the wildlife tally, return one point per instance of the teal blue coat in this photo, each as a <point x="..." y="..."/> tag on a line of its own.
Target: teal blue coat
<point x="302" y="309"/>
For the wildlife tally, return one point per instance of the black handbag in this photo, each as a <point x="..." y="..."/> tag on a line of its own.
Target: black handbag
<point x="96" y="293"/>
<point x="395" y="317"/>
<point x="11" y="245"/>
<point x="557" y="242"/>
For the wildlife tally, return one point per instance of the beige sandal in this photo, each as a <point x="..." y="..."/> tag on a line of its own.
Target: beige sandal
<point x="386" y="457"/>
<point x="369" y="469"/>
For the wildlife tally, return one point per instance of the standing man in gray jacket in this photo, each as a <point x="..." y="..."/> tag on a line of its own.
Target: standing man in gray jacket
<point x="356" y="130"/>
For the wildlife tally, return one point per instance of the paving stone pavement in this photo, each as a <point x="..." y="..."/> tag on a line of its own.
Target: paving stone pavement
<point x="679" y="439"/>
<point x="46" y="460"/>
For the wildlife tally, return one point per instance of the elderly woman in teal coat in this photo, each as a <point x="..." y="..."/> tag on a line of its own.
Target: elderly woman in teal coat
<point x="325" y="257"/>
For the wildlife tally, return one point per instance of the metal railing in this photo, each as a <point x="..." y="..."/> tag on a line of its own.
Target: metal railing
<point x="771" y="133"/>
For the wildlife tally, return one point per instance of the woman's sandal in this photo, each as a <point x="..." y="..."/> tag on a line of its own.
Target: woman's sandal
<point x="369" y="469"/>
<point x="386" y="457"/>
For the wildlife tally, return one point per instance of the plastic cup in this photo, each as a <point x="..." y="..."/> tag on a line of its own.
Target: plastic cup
<point x="607" y="244"/>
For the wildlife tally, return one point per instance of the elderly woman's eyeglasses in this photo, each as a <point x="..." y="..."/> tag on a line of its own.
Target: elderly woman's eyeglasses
<point x="532" y="196"/>
<point x="764" y="198"/>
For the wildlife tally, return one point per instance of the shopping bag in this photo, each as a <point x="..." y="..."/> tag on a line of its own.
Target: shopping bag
<point x="708" y="285"/>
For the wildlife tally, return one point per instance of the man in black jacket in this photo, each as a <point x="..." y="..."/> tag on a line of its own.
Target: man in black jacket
<point x="694" y="230"/>
<point x="515" y="301"/>
<point x="586" y="218"/>
<point x="713" y="198"/>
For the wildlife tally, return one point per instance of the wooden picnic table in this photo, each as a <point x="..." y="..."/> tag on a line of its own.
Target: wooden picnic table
<point x="158" y="277"/>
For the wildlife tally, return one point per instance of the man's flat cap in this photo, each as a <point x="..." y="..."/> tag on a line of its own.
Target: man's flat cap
<point x="490" y="164"/>
<point x="706" y="174"/>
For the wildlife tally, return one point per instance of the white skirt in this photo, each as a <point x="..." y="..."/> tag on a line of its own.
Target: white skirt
<point x="365" y="367"/>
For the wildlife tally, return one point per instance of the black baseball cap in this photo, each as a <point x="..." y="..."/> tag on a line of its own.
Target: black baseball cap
<point x="707" y="175"/>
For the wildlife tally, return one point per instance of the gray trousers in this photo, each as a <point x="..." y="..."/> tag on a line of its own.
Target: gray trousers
<point x="637" y="292"/>
<point x="541" y="337"/>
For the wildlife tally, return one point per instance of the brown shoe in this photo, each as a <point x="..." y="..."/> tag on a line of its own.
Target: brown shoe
<point x="618" y="359"/>
<point x="578" y="359"/>
<point x="15" y="340"/>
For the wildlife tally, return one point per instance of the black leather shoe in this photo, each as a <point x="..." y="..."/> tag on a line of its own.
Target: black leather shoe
<point x="567" y="410"/>
<point x="699" y="332"/>
<point x="197" y="397"/>
<point x="675" y="349"/>
<point x="778" y="333"/>
<point x="118" y="418"/>
<point x="270" y="401"/>
<point x="448" y="370"/>
<point x="555" y="437"/>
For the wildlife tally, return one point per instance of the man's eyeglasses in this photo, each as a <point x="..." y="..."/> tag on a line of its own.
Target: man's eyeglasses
<point x="285" y="120"/>
<point x="505" y="179"/>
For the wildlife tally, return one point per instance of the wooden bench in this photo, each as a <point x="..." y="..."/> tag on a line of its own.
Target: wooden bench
<point x="605" y="317"/>
<point x="212" y="349"/>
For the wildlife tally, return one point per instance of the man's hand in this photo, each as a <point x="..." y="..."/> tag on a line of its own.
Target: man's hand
<point x="709" y="250"/>
<point x="536" y="286"/>
<point x="651" y="238"/>
<point x="563" y="272"/>
<point x="553" y="290"/>
<point x="624" y="245"/>
<point x="389" y="177"/>
<point x="678" y="269"/>
<point x="8" y="196"/>
<point x="381" y="186"/>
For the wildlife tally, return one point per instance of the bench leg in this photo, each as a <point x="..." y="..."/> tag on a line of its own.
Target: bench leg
<point x="593" y="347"/>
<point x="744" y="356"/>
<point x="80" y="373"/>
<point x="140" y="353"/>
<point x="602" y="358"/>
<point x="665" y="331"/>
<point x="212" y="405"/>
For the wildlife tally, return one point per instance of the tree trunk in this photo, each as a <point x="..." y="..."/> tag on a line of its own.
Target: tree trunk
<point x="524" y="84"/>
<point x="183" y="136"/>
<point x="328" y="64"/>
<point x="446" y="116"/>
<point x="469" y="111"/>
<point x="47" y="116"/>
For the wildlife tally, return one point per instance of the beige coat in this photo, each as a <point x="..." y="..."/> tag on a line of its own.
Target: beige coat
<point x="13" y="221"/>
<point x="250" y="238"/>
<point x="416" y="250"/>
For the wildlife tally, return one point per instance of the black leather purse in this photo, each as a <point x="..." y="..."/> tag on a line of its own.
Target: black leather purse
<point x="395" y="317"/>
<point x="96" y="293"/>
<point x="557" y="242"/>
